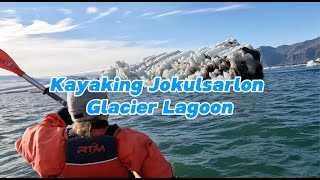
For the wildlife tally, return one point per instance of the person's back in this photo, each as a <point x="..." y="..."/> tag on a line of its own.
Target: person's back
<point x="92" y="148"/>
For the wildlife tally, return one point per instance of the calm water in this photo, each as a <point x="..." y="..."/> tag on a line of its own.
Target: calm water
<point x="271" y="134"/>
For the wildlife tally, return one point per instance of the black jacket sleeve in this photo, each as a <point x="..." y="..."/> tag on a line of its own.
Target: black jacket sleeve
<point x="64" y="114"/>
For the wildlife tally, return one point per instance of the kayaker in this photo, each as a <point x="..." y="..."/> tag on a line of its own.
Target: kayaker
<point x="91" y="148"/>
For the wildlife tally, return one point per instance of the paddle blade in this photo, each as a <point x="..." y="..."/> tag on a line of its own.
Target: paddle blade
<point x="7" y="63"/>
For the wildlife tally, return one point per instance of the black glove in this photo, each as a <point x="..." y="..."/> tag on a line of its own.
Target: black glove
<point x="64" y="114"/>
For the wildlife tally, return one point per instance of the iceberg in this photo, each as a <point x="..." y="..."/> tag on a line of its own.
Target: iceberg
<point x="225" y="60"/>
<point x="313" y="63"/>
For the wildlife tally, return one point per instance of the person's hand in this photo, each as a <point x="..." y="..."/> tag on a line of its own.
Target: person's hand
<point x="65" y="116"/>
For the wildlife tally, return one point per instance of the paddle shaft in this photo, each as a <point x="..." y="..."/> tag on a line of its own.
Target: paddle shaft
<point x="42" y="88"/>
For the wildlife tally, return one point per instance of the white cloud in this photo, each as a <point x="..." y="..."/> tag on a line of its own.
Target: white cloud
<point x="147" y="14"/>
<point x="51" y="57"/>
<point x="170" y="13"/>
<point x="204" y="10"/>
<point x="127" y="13"/>
<point x="9" y="11"/>
<point x="92" y="10"/>
<point x="106" y="13"/>
<point x="12" y="28"/>
<point x="65" y="11"/>
<point x="232" y="7"/>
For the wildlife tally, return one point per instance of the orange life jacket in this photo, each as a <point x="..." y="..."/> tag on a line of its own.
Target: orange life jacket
<point x="93" y="157"/>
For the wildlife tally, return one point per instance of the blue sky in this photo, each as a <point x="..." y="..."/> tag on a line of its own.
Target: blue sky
<point x="153" y="26"/>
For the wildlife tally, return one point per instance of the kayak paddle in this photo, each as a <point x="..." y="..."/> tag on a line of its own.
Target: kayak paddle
<point x="7" y="63"/>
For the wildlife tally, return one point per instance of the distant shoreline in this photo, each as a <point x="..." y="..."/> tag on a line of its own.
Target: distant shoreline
<point x="286" y="65"/>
